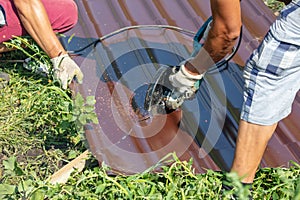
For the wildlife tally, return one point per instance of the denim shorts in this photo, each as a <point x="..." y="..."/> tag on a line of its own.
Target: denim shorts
<point x="272" y="73"/>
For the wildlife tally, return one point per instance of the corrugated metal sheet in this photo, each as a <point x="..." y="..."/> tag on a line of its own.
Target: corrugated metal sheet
<point x="119" y="68"/>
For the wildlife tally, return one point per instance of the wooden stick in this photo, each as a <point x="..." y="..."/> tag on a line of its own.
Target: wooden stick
<point x="63" y="174"/>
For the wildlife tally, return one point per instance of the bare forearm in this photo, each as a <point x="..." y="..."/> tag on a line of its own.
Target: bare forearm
<point x="219" y="45"/>
<point x="36" y="22"/>
<point x="225" y="29"/>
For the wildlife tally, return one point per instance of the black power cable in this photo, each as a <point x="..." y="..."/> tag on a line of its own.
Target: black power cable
<point x="197" y="37"/>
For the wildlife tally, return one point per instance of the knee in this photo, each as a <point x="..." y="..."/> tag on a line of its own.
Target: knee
<point x="63" y="16"/>
<point x="72" y="13"/>
<point x="70" y="16"/>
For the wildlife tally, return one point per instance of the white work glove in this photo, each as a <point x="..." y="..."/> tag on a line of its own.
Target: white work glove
<point x="183" y="81"/>
<point x="65" y="69"/>
<point x="184" y="85"/>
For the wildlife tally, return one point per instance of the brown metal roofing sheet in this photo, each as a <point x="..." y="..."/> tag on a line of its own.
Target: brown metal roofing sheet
<point x="119" y="68"/>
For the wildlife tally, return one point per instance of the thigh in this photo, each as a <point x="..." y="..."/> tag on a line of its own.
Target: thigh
<point x="272" y="79"/>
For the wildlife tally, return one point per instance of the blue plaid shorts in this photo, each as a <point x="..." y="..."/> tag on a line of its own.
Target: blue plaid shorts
<point x="272" y="73"/>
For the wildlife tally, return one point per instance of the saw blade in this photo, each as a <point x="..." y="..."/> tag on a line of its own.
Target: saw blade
<point x="158" y="92"/>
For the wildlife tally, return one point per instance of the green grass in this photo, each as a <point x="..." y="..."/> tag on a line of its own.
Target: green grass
<point x="175" y="180"/>
<point x="40" y="124"/>
<point x="41" y="131"/>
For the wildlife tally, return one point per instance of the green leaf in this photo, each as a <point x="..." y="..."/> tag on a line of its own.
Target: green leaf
<point x="76" y="112"/>
<point x="18" y="170"/>
<point x="79" y="101"/>
<point x="25" y="186"/>
<point x="93" y="117"/>
<point x="38" y="195"/>
<point x="10" y="163"/>
<point x="74" y="118"/>
<point x="82" y="119"/>
<point x="100" y="188"/>
<point x="72" y="154"/>
<point x="6" y="189"/>
<point x="75" y="139"/>
<point x="90" y="100"/>
<point x="89" y="109"/>
<point x="67" y="117"/>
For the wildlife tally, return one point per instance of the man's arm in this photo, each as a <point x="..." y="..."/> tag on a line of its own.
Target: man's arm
<point x="36" y="22"/>
<point x="224" y="31"/>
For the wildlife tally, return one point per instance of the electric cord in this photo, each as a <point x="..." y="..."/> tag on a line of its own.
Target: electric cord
<point x="221" y="65"/>
<point x="127" y="29"/>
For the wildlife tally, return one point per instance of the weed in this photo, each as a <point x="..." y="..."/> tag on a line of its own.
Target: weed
<point x="41" y="128"/>
<point x="274" y="5"/>
<point x="169" y="179"/>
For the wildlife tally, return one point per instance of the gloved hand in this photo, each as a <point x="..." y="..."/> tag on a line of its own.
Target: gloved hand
<point x="184" y="85"/>
<point x="171" y="87"/>
<point x="65" y="69"/>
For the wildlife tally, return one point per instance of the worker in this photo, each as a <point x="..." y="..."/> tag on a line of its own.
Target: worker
<point x="42" y="19"/>
<point x="272" y="77"/>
